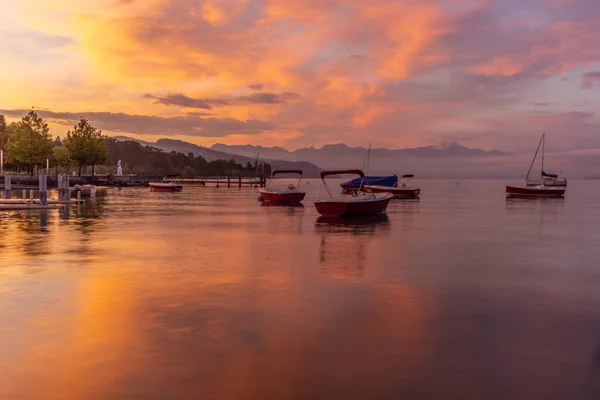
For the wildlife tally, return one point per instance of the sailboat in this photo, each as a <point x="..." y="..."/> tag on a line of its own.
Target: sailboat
<point x="548" y="186"/>
<point x="545" y="179"/>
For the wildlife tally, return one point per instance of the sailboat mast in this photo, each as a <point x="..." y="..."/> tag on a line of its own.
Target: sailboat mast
<point x="543" y="152"/>
<point x="535" y="155"/>
<point x="368" y="158"/>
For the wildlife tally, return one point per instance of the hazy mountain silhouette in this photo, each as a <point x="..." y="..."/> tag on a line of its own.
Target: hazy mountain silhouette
<point x="448" y="161"/>
<point x="340" y="149"/>
<point x="211" y="155"/>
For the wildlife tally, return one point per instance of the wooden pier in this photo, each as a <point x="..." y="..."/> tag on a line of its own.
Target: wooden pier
<point x="43" y="203"/>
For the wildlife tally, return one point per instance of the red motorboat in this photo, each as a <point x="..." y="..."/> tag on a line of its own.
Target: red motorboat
<point x="289" y="195"/>
<point x="358" y="204"/>
<point x="535" y="191"/>
<point x="400" y="192"/>
<point x="163" y="186"/>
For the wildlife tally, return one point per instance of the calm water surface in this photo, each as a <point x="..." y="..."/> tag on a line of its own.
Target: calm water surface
<point x="206" y="294"/>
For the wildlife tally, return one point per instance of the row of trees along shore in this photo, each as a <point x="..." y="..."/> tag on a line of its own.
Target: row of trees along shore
<point x="28" y="144"/>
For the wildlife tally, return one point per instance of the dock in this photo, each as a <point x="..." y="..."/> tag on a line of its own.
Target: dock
<point x="42" y="203"/>
<point x="30" y="206"/>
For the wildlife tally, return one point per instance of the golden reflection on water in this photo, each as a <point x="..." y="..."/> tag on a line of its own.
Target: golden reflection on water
<point x="140" y="295"/>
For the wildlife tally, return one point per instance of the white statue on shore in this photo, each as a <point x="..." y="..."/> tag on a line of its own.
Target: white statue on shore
<point x="119" y="169"/>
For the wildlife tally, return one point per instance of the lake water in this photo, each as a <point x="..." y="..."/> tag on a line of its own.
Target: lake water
<point x="207" y="294"/>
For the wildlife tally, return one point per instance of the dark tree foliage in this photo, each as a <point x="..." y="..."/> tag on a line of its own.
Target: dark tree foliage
<point x="150" y="161"/>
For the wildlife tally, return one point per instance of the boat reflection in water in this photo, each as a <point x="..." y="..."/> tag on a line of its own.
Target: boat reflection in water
<point x="344" y="244"/>
<point x="281" y="205"/>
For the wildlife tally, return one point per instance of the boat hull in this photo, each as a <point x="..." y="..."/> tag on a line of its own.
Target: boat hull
<point x="516" y="191"/>
<point x="398" y="193"/>
<point x="547" y="182"/>
<point x="86" y="190"/>
<point x="353" y="208"/>
<point x="281" y="197"/>
<point x="165" y="187"/>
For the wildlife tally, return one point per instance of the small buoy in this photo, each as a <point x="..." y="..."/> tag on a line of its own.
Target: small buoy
<point x="217" y="185"/>
<point x="255" y="186"/>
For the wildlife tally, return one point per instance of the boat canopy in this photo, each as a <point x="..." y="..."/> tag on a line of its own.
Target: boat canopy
<point x="287" y="171"/>
<point x="549" y="175"/>
<point x="343" y="171"/>
<point x="390" y="181"/>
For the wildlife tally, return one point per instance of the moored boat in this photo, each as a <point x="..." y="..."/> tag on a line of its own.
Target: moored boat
<point x="171" y="186"/>
<point x="359" y="204"/>
<point x="545" y="179"/>
<point x="402" y="191"/>
<point x="535" y="191"/>
<point x="358" y="183"/>
<point x="86" y="190"/>
<point x="288" y="195"/>
<point x="556" y="188"/>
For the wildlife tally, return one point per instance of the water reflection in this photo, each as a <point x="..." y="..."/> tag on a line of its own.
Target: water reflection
<point x="344" y="243"/>
<point x="207" y="295"/>
<point x="281" y="205"/>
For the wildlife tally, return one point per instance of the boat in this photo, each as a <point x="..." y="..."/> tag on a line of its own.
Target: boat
<point x="171" y="186"/>
<point x="355" y="184"/>
<point x="402" y="191"/>
<point x="545" y="178"/>
<point x="86" y="190"/>
<point x="541" y="190"/>
<point x="288" y="195"/>
<point x="535" y="191"/>
<point x="359" y="204"/>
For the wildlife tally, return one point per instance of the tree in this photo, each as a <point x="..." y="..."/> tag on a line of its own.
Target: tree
<point x="3" y="132"/>
<point x="86" y="145"/>
<point x="30" y="142"/>
<point x="188" y="172"/>
<point x="60" y="157"/>
<point x="100" y="151"/>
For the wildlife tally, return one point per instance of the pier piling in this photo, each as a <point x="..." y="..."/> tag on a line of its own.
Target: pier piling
<point x="43" y="190"/>
<point x="7" y="186"/>
<point x="64" y="193"/>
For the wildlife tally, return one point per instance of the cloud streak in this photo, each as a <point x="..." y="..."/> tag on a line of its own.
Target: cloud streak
<point x="188" y="125"/>
<point x="178" y="99"/>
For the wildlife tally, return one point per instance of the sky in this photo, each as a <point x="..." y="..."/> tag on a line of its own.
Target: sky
<point x="492" y="74"/>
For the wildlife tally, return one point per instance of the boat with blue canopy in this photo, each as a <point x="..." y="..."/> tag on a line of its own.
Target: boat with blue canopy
<point x="355" y="184"/>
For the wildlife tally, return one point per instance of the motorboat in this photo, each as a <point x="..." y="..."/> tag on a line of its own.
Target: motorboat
<point x="401" y="191"/>
<point x="171" y="186"/>
<point x="86" y="190"/>
<point x="535" y="191"/>
<point x="291" y="194"/>
<point x="358" y="204"/>
<point x="384" y="181"/>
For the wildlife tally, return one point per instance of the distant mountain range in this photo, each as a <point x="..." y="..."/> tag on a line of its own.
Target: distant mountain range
<point x="448" y="161"/>
<point x="180" y="146"/>
<point x="340" y="149"/>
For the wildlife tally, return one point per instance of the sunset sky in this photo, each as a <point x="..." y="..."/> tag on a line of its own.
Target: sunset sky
<point x="296" y="73"/>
